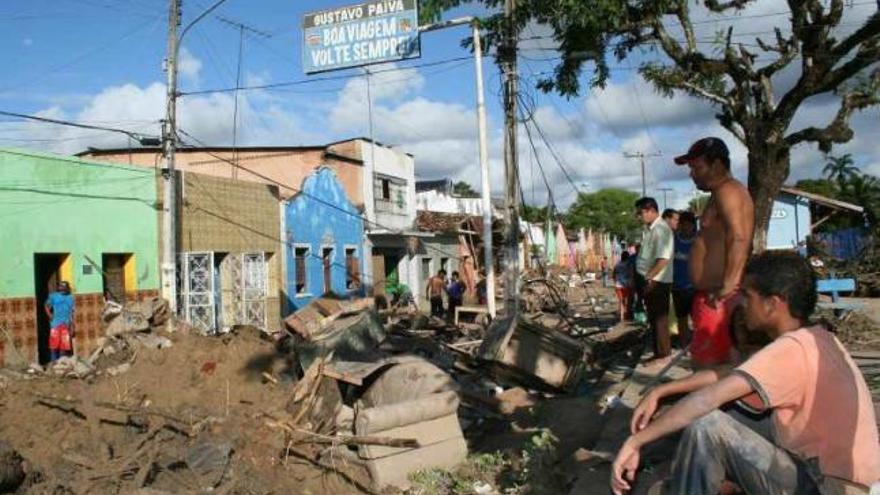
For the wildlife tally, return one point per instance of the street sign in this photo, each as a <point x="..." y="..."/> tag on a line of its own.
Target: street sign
<point x="362" y="34"/>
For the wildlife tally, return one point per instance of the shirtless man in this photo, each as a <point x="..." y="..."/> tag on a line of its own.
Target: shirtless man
<point x="434" y="292"/>
<point x="720" y="252"/>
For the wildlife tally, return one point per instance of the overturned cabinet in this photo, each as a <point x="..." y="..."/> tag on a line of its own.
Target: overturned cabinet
<point x="534" y="354"/>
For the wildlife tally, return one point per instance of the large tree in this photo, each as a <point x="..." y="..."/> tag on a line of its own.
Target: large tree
<point x="607" y="210"/>
<point x="739" y="76"/>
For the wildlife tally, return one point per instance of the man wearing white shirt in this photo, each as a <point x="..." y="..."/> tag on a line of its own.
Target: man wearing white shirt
<point x="654" y="272"/>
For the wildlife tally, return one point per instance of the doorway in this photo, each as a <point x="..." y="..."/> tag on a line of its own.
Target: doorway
<point x="113" y="267"/>
<point x="49" y="269"/>
<point x="327" y="264"/>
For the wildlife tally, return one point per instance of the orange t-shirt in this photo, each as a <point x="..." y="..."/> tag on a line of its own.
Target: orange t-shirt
<point x="821" y="404"/>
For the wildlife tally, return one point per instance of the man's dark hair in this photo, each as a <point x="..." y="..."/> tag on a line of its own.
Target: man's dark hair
<point x="647" y="203"/>
<point x="669" y="213"/>
<point x="788" y="276"/>
<point x="687" y="216"/>
<point x="455" y="274"/>
<point x="624" y="256"/>
<point x="441" y="272"/>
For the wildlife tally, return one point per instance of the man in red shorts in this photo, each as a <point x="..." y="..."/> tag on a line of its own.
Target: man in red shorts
<point x="720" y="252"/>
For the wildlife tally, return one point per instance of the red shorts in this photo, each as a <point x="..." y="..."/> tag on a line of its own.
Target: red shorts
<point x="711" y="343"/>
<point x="59" y="338"/>
<point x="623" y="293"/>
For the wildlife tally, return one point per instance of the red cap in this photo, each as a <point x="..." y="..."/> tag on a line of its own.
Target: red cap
<point x="709" y="147"/>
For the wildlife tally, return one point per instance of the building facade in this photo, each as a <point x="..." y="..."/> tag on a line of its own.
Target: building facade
<point x="324" y="235"/>
<point x="378" y="180"/>
<point x="230" y="266"/>
<point x="88" y="223"/>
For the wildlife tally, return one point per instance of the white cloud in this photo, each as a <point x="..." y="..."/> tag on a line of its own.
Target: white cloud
<point x="189" y="66"/>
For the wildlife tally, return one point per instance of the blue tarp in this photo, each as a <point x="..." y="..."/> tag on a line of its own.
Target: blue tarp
<point x="843" y="244"/>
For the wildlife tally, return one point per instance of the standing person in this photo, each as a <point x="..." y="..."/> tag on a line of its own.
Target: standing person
<point x="682" y="287"/>
<point x="624" y="280"/>
<point x="654" y="272"/>
<point x="671" y="217"/>
<point x="720" y="251"/>
<point x="455" y="292"/>
<point x="604" y="269"/>
<point x="60" y="308"/>
<point x="483" y="289"/>
<point x="434" y="292"/>
<point x="812" y="396"/>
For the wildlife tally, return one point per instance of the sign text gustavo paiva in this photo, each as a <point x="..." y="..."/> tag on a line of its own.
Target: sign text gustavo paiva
<point x="362" y="34"/>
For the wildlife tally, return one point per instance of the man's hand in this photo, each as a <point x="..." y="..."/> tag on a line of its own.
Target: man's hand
<point x="623" y="471"/>
<point x="721" y="295"/>
<point x="644" y="412"/>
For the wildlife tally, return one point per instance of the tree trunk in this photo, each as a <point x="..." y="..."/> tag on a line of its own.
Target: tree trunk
<point x="768" y="170"/>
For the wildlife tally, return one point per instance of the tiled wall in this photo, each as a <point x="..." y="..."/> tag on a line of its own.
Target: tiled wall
<point x="18" y="317"/>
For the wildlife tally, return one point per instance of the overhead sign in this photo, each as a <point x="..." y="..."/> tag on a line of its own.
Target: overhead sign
<point x="362" y="34"/>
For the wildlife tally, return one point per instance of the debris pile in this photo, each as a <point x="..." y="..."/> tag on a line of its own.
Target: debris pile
<point x="349" y="399"/>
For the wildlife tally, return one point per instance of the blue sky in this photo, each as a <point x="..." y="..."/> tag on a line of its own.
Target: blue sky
<point x="100" y="61"/>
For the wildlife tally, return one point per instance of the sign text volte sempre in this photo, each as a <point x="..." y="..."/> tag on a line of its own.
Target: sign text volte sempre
<point x="367" y="33"/>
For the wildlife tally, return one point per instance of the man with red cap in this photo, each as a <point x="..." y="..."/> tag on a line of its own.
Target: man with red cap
<point x="720" y="252"/>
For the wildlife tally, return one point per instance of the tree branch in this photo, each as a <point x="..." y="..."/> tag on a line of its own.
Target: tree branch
<point x="838" y="130"/>
<point x="720" y="7"/>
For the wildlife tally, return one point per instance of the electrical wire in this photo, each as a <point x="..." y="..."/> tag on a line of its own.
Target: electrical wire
<point x="324" y="78"/>
<point x="131" y="134"/>
<point x="312" y="197"/>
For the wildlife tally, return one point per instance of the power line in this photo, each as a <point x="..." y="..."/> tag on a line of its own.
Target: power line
<point x="134" y="135"/>
<point x="325" y="78"/>
<point x="308" y="195"/>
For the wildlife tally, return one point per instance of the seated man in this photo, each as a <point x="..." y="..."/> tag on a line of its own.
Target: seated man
<point x="825" y="431"/>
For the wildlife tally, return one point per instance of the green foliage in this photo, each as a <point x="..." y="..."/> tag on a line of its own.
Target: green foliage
<point x="698" y="204"/>
<point x="464" y="190"/>
<point x="477" y="469"/>
<point x="822" y="187"/>
<point x="840" y="169"/>
<point x="534" y="214"/>
<point x="608" y="210"/>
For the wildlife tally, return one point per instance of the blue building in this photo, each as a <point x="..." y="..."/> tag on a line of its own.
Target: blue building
<point x="797" y="213"/>
<point x="324" y="233"/>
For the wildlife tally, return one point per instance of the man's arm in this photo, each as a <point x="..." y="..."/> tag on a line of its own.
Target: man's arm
<point x="686" y="411"/>
<point x="48" y="308"/>
<point x="737" y="214"/>
<point x="659" y="265"/>
<point x="647" y="407"/>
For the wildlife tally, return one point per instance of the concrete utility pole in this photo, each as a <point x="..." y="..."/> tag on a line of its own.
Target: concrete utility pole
<point x="641" y="156"/>
<point x="665" y="190"/>
<point x="169" y="147"/>
<point x="488" y="262"/>
<point x="482" y="129"/>
<point x="507" y="54"/>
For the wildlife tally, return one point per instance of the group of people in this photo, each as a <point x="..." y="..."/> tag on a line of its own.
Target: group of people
<point x="794" y="416"/>
<point x="657" y="267"/>
<point x="453" y="288"/>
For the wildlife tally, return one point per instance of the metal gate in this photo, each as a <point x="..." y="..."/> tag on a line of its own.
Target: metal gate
<point x="197" y="290"/>
<point x="254" y="289"/>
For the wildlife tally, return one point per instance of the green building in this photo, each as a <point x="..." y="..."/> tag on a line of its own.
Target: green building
<point x="64" y="218"/>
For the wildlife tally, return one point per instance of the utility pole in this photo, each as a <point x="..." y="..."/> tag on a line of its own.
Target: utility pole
<point x="665" y="190"/>
<point x="507" y="55"/>
<point x="641" y="156"/>
<point x="483" y="132"/>
<point x="169" y="146"/>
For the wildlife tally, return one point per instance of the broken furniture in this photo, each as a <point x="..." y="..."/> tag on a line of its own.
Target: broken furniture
<point x="351" y="389"/>
<point x="475" y="310"/>
<point x="534" y="353"/>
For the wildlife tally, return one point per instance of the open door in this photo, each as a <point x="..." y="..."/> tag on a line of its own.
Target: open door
<point x="49" y="269"/>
